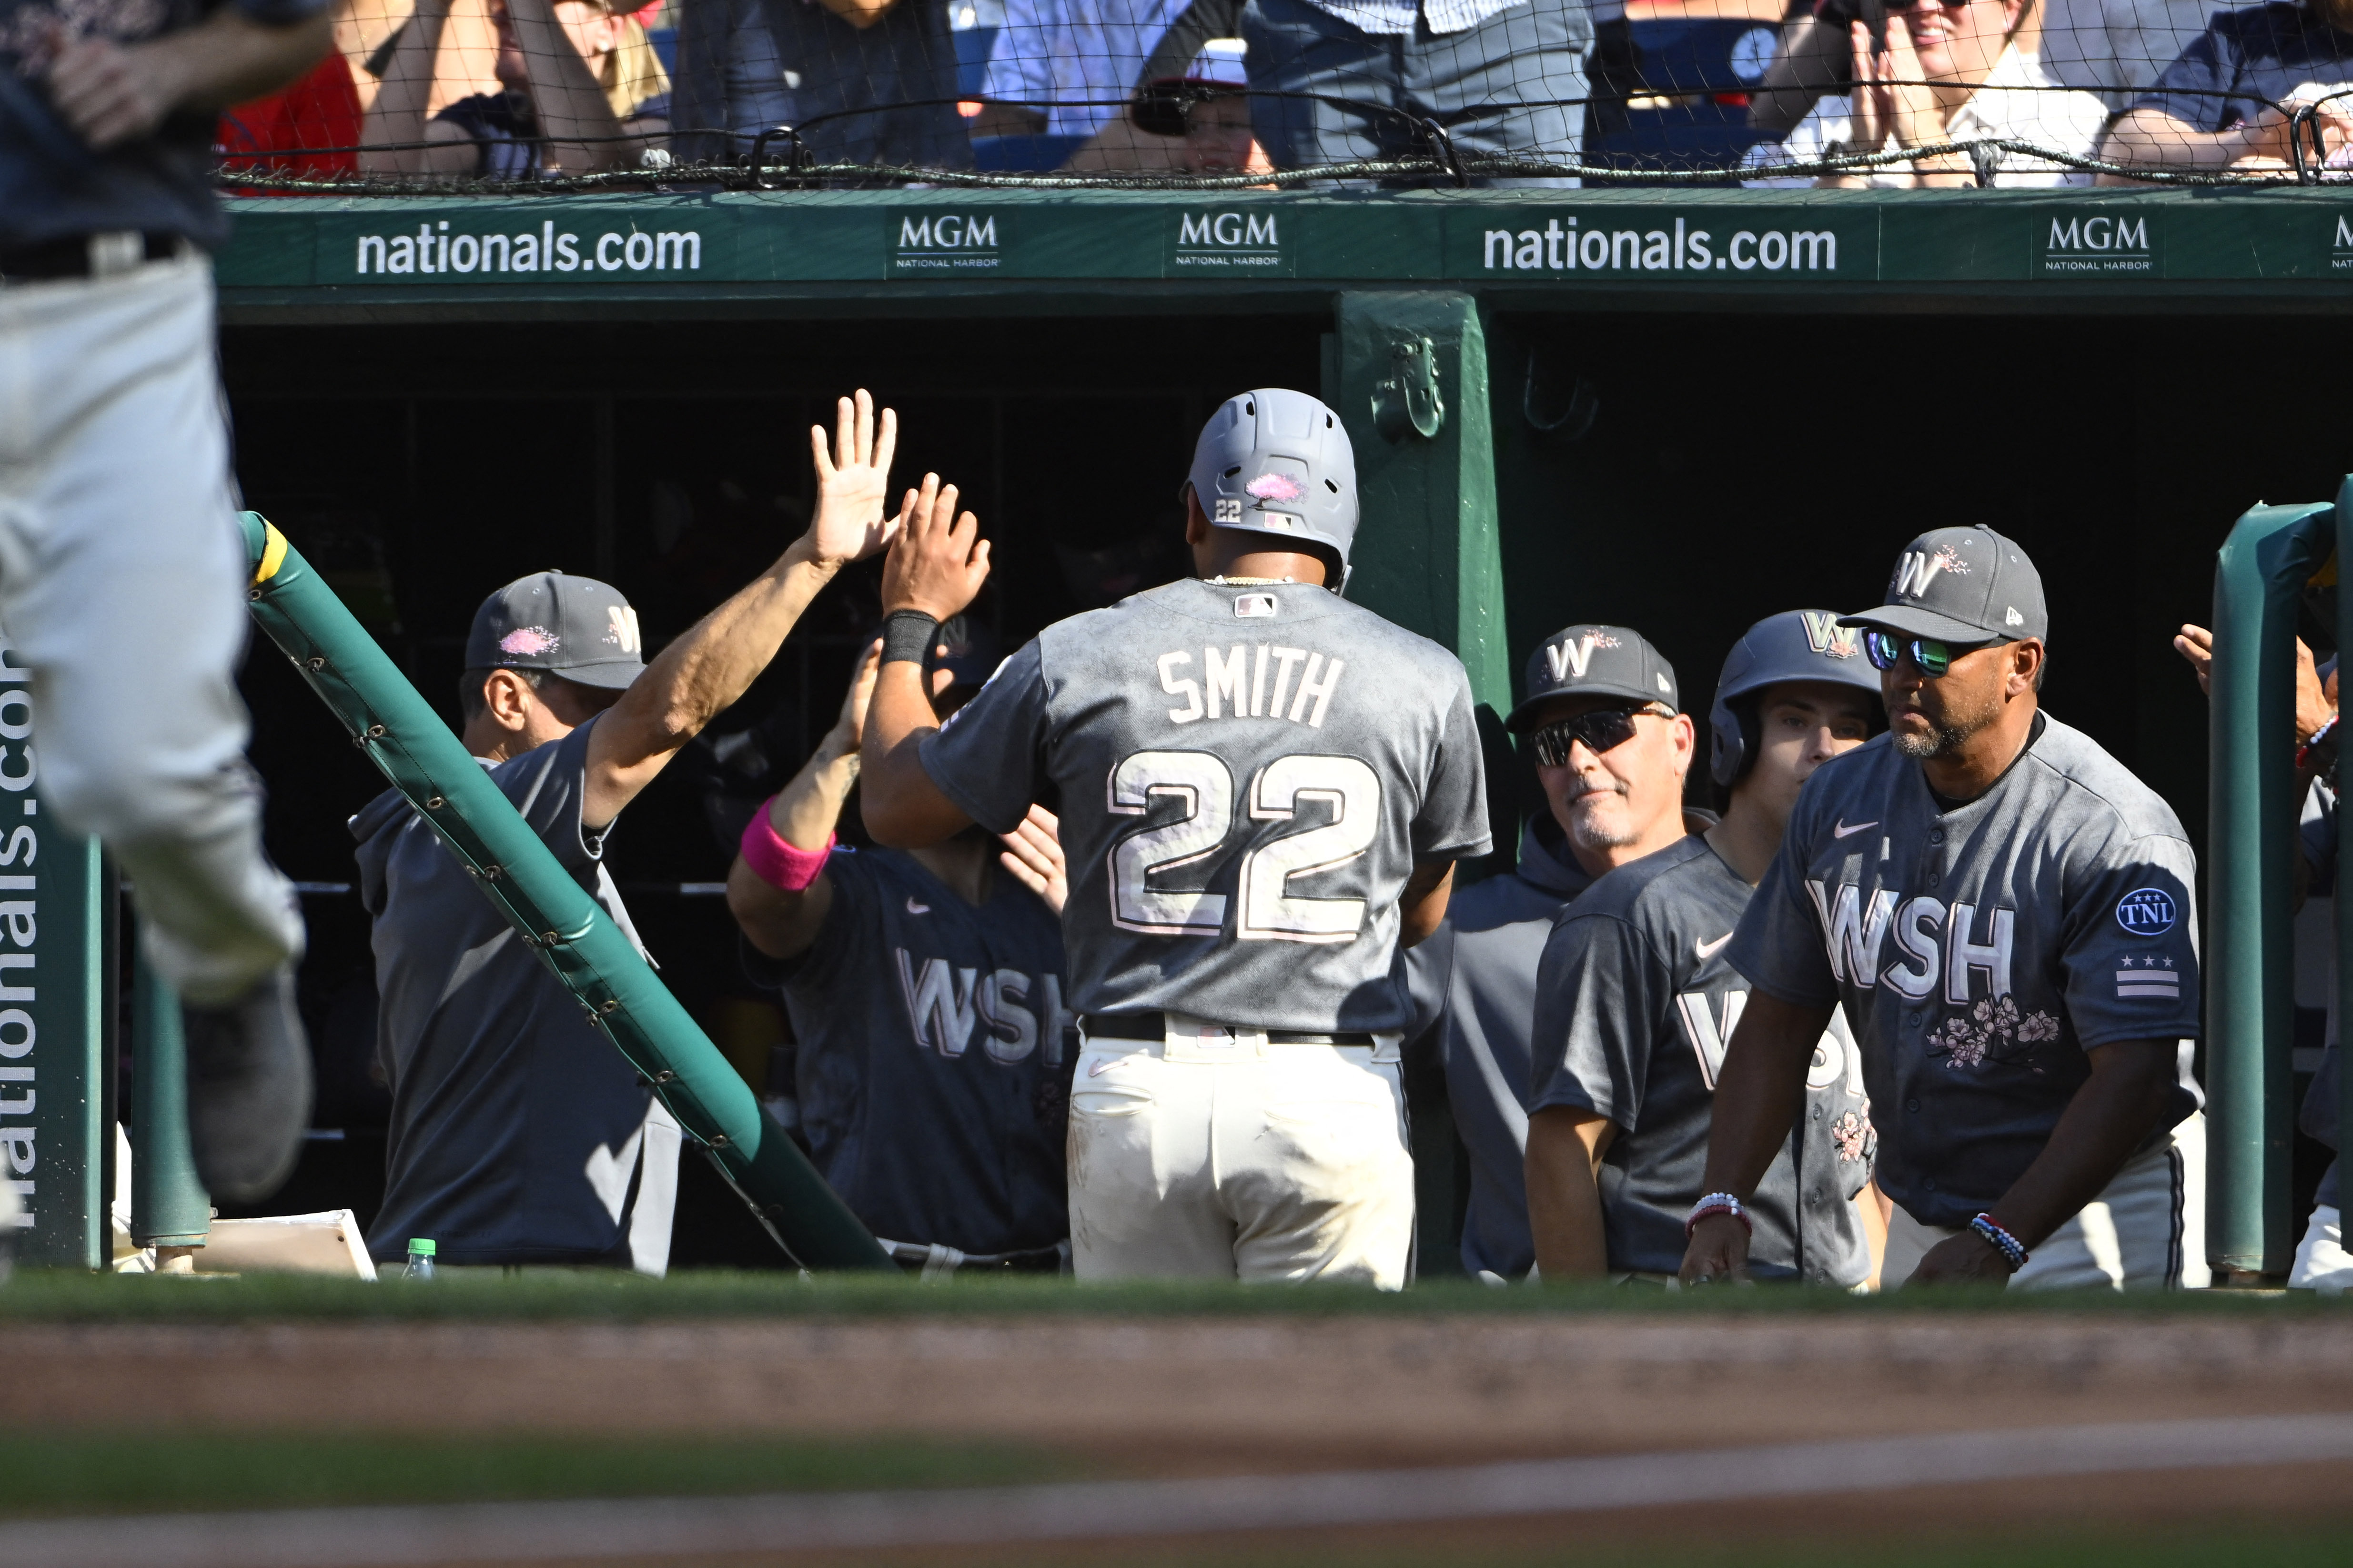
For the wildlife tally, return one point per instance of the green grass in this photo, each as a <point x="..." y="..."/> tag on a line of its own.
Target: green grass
<point x="45" y="1296"/>
<point x="2255" y="1544"/>
<point x="83" y="1473"/>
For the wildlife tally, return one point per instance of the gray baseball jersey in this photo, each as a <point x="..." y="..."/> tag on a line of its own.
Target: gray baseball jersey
<point x="1981" y="949"/>
<point x="1246" y="776"/>
<point x="1634" y="1004"/>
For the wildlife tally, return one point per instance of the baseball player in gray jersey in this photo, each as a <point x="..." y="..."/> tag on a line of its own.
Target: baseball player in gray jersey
<point x="1634" y="999"/>
<point x="1262" y="791"/>
<point x="2006" y="914"/>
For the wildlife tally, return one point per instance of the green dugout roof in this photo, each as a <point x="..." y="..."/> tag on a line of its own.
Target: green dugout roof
<point x="782" y="252"/>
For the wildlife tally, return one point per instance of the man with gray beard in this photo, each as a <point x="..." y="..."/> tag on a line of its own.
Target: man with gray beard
<point x="2006" y="914"/>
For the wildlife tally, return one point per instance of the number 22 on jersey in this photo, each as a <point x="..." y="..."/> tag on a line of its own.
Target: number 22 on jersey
<point x="1203" y="785"/>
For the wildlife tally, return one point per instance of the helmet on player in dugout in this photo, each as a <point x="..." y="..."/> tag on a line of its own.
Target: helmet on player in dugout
<point x="1796" y="644"/>
<point x="1279" y="462"/>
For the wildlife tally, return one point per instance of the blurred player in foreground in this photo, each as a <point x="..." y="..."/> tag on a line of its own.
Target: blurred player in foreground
<point x="925" y="991"/>
<point x="121" y="569"/>
<point x="518" y="1136"/>
<point x="2006" y="914"/>
<point x="1263" y="790"/>
<point x="1634" y="1000"/>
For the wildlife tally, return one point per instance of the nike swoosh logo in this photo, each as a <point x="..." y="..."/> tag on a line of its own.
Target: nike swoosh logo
<point x="915" y="909"/>
<point x="1710" y="948"/>
<point x="1843" y="831"/>
<point x="1096" y="1070"/>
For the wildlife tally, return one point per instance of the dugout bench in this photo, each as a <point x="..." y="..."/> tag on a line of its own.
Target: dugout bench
<point x="1677" y="410"/>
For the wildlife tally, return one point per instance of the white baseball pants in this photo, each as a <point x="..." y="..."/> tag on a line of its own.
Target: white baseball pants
<point x="2146" y="1232"/>
<point x="1212" y="1154"/>
<point x="2322" y="1263"/>
<point x="122" y="586"/>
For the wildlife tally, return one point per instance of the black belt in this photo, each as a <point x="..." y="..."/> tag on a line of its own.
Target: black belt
<point x="1054" y="1260"/>
<point x="1154" y="1026"/>
<point x="69" y="255"/>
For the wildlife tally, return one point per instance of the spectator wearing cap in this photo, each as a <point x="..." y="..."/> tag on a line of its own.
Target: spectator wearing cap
<point x="2005" y="915"/>
<point x="1633" y="998"/>
<point x="518" y="1137"/>
<point x="1190" y="111"/>
<point x="1339" y="81"/>
<point x="581" y="90"/>
<point x="925" y="989"/>
<point x="1473" y="982"/>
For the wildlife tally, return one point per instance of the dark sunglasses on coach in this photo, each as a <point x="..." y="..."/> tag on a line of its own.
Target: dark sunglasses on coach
<point x="1934" y="658"/>
<point x="1602" y="729"/>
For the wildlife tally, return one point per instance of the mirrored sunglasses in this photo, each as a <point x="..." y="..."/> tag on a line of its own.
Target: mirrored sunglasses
<point x="1603" y="730"/>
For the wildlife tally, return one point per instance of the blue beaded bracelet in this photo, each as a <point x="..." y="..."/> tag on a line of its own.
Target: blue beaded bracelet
<point x="2001" y="1240"/>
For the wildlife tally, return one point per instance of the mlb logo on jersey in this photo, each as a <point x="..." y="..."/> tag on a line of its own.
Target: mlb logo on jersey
<point x="1256" y="607"/>
<point x="2146" y="912"/>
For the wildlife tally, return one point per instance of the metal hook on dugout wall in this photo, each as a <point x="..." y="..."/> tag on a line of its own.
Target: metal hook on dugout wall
<point x="1549" y="413"/>
<point x="1407" y="400"/>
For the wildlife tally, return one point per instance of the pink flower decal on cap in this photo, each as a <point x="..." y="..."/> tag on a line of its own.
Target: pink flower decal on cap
<point x="528" y="642"/>
<point x="1275" y="487"/>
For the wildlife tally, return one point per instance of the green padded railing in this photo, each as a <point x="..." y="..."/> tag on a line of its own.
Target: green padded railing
<point x="618" y="993"/>
<point x="2249" y="968"/>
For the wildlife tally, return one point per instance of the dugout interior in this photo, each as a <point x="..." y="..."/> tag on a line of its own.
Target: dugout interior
<point x="1683" y="472"/>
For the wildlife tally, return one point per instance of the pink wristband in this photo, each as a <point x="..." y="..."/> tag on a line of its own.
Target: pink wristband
<point x="780" y="865"/>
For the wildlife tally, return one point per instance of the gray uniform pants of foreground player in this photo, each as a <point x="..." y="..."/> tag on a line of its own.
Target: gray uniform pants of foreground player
<point x="122" y="587"/>
<point x="2146" y="1231"/>
<point x="1214" y="1154"/>
<point x="1513" y="86"/>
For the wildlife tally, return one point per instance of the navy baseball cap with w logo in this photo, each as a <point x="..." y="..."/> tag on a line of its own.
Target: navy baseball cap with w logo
<point x="1595" y="661"/>
<point x="1961" y="586"/>
<point x="576" y="628"/>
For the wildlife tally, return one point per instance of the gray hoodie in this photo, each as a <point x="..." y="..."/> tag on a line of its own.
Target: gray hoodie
<point x="1473" y="984"/>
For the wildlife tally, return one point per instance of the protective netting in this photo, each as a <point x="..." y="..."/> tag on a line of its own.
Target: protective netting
<point x="497" y="96"/>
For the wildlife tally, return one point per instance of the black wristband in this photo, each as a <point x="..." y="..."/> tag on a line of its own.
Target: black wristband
<point x="908" y="636"/>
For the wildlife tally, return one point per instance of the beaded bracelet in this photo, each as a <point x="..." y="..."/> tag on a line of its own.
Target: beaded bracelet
<point x="2319" y="753"/>
<point x="1718" y="1202"/>
<point x="1990" y="1230"/>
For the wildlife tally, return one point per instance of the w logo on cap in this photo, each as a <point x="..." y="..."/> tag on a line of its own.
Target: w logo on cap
<point x="1827" y="638"/>
<point x="1917" y="569"/>
<point x="625" y="633"/>
<point x="1569" y="659"/>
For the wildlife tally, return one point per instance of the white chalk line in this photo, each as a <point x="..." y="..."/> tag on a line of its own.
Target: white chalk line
<point x="589" y="1528"/>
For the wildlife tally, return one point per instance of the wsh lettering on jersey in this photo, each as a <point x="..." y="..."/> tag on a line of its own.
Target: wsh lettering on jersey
<point x="1936" y="942"/>
<point x="1248" y="681"/>
<point x="946" y="1004"/>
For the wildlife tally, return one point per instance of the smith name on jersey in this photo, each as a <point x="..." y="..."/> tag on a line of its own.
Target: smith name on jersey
<point x="1246" y="776"/>
<point x="1980" y="950"/>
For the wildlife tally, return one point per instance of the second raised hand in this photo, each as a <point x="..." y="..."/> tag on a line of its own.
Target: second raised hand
<point x="939" y="560"/>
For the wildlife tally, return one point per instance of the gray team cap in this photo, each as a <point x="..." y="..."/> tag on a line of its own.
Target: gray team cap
<point x="1963" y="585"/>
<point x="576" y="628"/>
<point x="1595" y="661"/>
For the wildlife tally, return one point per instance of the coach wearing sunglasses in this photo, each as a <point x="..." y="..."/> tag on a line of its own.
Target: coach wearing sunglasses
<point x="2006" y="914"/>
<point x="1473" y="982"/>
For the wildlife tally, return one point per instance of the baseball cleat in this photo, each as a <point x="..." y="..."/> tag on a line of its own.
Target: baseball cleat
<point x="249" y="1089"/>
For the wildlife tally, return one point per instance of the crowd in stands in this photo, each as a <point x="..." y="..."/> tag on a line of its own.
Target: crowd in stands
<point x="503" y="89"/>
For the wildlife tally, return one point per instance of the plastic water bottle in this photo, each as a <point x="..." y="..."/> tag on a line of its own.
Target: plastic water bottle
<point x="420" y="1258"/>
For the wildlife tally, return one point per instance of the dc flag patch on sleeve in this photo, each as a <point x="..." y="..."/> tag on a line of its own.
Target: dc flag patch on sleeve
<point x="2154" y="977"/>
